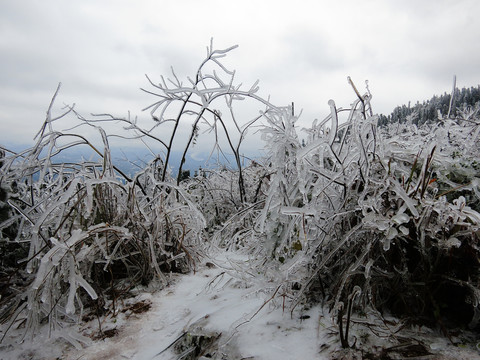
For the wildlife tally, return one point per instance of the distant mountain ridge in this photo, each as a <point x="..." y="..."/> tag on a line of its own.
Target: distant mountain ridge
<point x="129" y="160"/>
<point x="133" y="160"/>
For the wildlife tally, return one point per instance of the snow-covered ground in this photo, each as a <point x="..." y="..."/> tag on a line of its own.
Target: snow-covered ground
<point x="243" y="317"/>
<point x="215" y="301"/>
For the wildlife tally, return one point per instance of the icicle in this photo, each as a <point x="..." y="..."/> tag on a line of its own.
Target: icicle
<point x="368" y="267"/>
<point x="334" y="127"/>
<point x="70" y="308"/>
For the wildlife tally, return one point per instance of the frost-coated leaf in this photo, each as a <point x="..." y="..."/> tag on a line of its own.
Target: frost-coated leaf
<point x="409" y="202"/>
<point x="81" y="281"/>
<point x="403" y="230"/>
<point x="386" y="243"/>
<point x="382" y="224"/>
<point x="401" y="218"/>
<point x="392" y="233"/>
<point x="453" y="242"/>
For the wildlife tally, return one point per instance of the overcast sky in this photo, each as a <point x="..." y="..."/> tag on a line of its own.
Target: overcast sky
<point x="301" y="51"/>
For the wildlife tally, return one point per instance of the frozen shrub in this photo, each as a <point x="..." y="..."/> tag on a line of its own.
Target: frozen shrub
<point x="92" y="232"/>
<point x="375" y="219"/>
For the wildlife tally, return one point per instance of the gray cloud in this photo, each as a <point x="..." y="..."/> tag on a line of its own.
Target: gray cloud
<point x="301" y="52"/>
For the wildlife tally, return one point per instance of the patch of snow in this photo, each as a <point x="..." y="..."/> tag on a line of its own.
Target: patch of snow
<point x="219" y="302"/>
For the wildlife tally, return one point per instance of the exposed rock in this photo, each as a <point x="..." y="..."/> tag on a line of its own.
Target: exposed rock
<point x="197" y="342"/>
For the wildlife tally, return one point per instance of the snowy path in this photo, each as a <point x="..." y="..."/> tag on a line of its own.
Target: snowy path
<point x="219" y="303"/>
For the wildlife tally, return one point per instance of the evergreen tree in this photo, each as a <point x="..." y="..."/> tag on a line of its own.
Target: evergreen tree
<point x="428" y="110"/>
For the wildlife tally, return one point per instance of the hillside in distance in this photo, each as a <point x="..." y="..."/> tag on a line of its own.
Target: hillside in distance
<point x="428" y="110"/>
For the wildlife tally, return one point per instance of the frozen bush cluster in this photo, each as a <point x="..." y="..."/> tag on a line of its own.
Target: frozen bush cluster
<point x="360" y="217"/>
<point x="91" y="232"/>
<point x="386" y="216"/>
